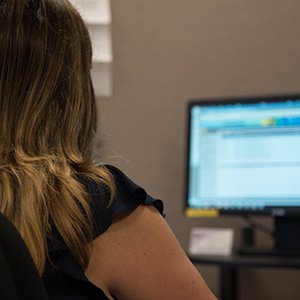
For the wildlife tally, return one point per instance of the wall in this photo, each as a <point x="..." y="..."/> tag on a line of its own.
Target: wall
<point x="167" y="52"/>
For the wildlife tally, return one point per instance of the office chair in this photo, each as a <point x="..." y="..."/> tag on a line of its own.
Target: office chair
<point x="19" y="279"/>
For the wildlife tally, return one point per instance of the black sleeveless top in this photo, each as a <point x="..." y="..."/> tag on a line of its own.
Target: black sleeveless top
<point x="63" y="278"/>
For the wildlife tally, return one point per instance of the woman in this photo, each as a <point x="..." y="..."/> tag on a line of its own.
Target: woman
<point x="92" y="233"/>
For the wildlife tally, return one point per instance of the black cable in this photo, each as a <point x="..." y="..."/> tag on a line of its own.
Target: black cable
<point x="259" y="226"/>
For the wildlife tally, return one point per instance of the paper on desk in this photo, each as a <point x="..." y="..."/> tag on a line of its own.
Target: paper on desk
<point x="211" y="241"/>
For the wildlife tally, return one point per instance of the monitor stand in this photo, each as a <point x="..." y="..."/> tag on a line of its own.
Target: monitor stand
<point x="286" y="240"/>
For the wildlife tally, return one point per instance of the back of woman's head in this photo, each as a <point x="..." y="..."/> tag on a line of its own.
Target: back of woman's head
<point x="47" y="123"/>
<point x="46" y="96"/>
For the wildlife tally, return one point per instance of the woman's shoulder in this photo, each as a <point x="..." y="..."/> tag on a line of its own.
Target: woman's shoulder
<point x="140" y="248"/>
<point x="128" y="196"/>
<point x="105" y="211"/>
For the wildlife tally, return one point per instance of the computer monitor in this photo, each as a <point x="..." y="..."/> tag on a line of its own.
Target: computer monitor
<point x="243" y="157"/>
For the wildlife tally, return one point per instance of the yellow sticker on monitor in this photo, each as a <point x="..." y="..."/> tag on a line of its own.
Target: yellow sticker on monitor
<point x="194" y="213"/>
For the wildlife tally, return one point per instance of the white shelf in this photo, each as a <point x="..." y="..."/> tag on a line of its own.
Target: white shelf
<point x="94" y="11"/>
<point x="97" y="16"/>
<point x="101" y="40"/>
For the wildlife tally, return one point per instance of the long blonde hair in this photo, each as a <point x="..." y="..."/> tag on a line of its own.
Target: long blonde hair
<point x="47" y="124"/>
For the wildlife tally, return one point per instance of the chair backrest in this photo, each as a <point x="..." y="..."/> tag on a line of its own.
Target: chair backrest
<point x="19" y="279"/>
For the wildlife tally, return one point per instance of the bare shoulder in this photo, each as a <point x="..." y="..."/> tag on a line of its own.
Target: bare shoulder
<point x="140" y="258"/>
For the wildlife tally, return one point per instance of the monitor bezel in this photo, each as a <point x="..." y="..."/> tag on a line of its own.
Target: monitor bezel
<point x="272" y="211"/>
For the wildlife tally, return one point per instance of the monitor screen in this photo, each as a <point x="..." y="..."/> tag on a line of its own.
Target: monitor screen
<point x="244" y="156"/>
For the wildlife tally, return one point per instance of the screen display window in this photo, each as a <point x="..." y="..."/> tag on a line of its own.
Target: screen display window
<point x="244" y="156"/>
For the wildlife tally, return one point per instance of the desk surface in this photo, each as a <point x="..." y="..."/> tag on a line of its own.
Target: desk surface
<point x="247" y="261"/>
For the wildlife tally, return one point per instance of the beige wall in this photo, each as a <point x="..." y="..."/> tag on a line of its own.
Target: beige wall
<point x="168" y="51"/>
